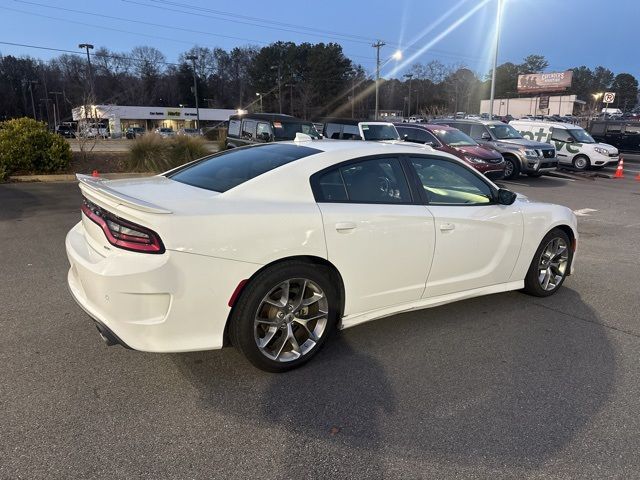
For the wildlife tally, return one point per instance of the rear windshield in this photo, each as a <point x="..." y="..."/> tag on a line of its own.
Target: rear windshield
<point x="288" y="130"/>
<point x="223" y="171"/>
<point x="379" y="132"/>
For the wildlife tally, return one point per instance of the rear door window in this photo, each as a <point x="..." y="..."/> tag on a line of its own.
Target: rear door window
<point x="332" y="130"/>
<point x="263" y="132"/>
<point x="417" y="135"/>
<point x="234" y="128"/>
<point x="249" y="129"/>
<point x="223" y="171"/>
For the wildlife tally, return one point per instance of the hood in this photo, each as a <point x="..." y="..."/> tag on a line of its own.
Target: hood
<point x="611" y="148"/>
<point x="522" y="142"/>
<point x="479" y="152"/>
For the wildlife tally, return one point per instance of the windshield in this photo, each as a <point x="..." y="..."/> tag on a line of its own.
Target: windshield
<point x="504" y="131"/>
<point x="581" y="136"/>
<point x="166" y="130"/>
<point x="288" y="130"/>
<point x="455" y="138"/>
<point x="379" y="132"/>
<point x="228" y="169"/>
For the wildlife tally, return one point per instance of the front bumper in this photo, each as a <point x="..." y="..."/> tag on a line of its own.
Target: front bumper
<point x="173" y="302"/>
<point x="530" y="165"/>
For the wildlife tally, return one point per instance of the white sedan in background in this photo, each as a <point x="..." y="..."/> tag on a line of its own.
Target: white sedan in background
<point x="275" y="246"/>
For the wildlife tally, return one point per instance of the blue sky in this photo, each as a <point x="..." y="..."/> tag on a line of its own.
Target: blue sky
<point x="568" y="32"/>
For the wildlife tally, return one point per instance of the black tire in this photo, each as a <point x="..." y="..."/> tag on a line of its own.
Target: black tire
<point x="581" y="162"/>
<point x="512" y="164"/>
<point x="532" y="284"/>
<point x="241" y="327"/>
<point x="535" y="175"/>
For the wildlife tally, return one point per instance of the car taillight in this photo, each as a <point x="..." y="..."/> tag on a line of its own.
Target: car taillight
<point x="123" y="233"/>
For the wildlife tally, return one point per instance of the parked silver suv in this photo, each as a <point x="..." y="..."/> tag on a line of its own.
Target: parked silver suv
<point x="520" y="154"/>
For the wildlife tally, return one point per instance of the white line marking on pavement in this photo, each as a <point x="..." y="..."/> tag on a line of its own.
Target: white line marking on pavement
<point x="584" y="212"/>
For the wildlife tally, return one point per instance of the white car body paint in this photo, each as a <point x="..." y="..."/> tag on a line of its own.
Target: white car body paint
<point x="392" y="260"/>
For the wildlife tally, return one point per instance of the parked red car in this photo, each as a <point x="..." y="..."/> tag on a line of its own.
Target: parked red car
<point x="451" y="140"/>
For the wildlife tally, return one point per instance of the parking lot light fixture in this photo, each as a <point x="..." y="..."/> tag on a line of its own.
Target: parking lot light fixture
<point x="258" y="94"/>
<point x="193" y="59"/>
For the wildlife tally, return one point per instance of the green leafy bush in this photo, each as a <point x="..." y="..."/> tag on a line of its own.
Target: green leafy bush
<point x="26" y="145"/>
<point x="152" y="153"/>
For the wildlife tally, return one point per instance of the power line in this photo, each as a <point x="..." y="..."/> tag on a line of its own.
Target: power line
<point x="171" y="27"/>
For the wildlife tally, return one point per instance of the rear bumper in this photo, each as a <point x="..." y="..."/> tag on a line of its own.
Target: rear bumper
<point x="173" y="302"/>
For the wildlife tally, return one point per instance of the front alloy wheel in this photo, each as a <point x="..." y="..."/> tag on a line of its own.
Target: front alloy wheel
<point x="550" y="264"/>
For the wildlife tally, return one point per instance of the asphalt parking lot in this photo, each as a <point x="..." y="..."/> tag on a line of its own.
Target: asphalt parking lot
<point x="504" y="386"/>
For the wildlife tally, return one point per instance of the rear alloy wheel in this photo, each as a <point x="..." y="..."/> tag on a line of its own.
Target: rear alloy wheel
<point x="511" y="168"/>
<point x="581" y="162"/>
<point x="550" y="264"/>
<point x="285" y="316"/>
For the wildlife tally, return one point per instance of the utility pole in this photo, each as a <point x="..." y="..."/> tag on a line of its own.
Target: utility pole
<point x="46" y="107"/>
<point x="495" y="59"/>
<point x="279" y="68"/>
<point x="378" y="45"/>
<point x="353" y="93"/>
<point x="87" y="47"/>
<point x="260" y="95"/>
<point x="409" y="76"/>
<point x="33" y="104"/>
<point x="57" y="107"/>
<point x="193" y="59"/>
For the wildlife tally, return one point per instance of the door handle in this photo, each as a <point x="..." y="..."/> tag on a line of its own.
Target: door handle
<point x="345" y="226"/>
<point x="445" y="227"/>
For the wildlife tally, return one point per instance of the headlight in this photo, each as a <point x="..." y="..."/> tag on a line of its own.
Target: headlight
<point x="474" y="160"/>
<point x="530" y="153"/>
<point x="602" y="151"/>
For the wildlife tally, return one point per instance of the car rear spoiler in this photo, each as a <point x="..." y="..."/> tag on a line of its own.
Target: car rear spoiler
<point x="96" y="185"/>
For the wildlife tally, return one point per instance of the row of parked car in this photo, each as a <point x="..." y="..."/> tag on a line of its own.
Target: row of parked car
<point x="100" y="130"/>
<point x="492" y="147"/>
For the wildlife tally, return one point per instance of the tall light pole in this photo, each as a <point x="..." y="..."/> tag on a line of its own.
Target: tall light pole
<point x="279" y="68"/>
<point x="409" y="76"/>
<point x="33" y="104"/>
<point x="193" y="59"/>
<point x="57" y="108"/>
<point x="87" y="47"/>
<point x="378" y="45"/>
<point x="495" y="58"/>
<point x="260" y="95"/>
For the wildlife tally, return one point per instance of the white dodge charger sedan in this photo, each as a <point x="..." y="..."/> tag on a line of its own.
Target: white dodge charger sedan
<point x="275" y="246"/>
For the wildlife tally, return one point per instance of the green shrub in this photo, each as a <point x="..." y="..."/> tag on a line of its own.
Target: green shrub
<point x="26" y="145"/>
<point x="152" y="153"/>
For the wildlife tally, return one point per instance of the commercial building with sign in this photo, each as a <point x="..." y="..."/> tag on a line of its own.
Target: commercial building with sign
<point x="538" y="105"/>
<point x="121" y="117"/>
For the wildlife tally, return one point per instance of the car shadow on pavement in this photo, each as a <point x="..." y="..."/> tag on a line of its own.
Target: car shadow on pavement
<point x="503" y="380"/>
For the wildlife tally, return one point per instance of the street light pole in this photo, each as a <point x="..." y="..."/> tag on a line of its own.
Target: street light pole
<point x="378" y="45"/>
<point x="87" y="47"/>
<point x="193" y="59"/>
<point x="260" y="95"/>
<point x="33" y="104"/>
<point x="57" y="107"/>
<point x="495" y="59"/>
<point x="279" y="68"/>
<point x="409" y="76"/>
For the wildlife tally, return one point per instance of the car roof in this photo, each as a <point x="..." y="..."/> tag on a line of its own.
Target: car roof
<point x="547" y="123"/>
<point x="270" y="117"/>
<point x="426" y="126"/>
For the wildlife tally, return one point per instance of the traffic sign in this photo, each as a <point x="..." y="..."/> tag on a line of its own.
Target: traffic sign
<point x="609" y="97"/>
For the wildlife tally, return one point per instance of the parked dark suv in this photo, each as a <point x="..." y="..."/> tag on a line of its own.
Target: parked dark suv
<point x="352" y="129"/>
<point x="253" y="128"/>
<point x="625" y="136"/>
<point x="520" y="154"/>
<point x="451" y="140"/>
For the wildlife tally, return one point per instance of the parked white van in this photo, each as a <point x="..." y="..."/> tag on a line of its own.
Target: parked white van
<point x="574" y="146"/>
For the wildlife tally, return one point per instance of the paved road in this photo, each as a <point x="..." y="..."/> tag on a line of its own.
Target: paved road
<point x="505" y="386"/>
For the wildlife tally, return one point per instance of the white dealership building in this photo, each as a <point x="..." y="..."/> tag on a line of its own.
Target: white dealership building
<point x="121" y="117"/>
<point x="519" y="107"/>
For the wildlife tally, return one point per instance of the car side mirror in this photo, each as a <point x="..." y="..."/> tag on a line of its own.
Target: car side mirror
<point x="405" y="137"/>
<point x="570" y="140"/>
<point x="506" y="197"/>
<point x="485" y="136"/>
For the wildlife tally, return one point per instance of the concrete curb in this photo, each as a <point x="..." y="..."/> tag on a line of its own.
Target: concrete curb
<point x="70" y="177"/>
